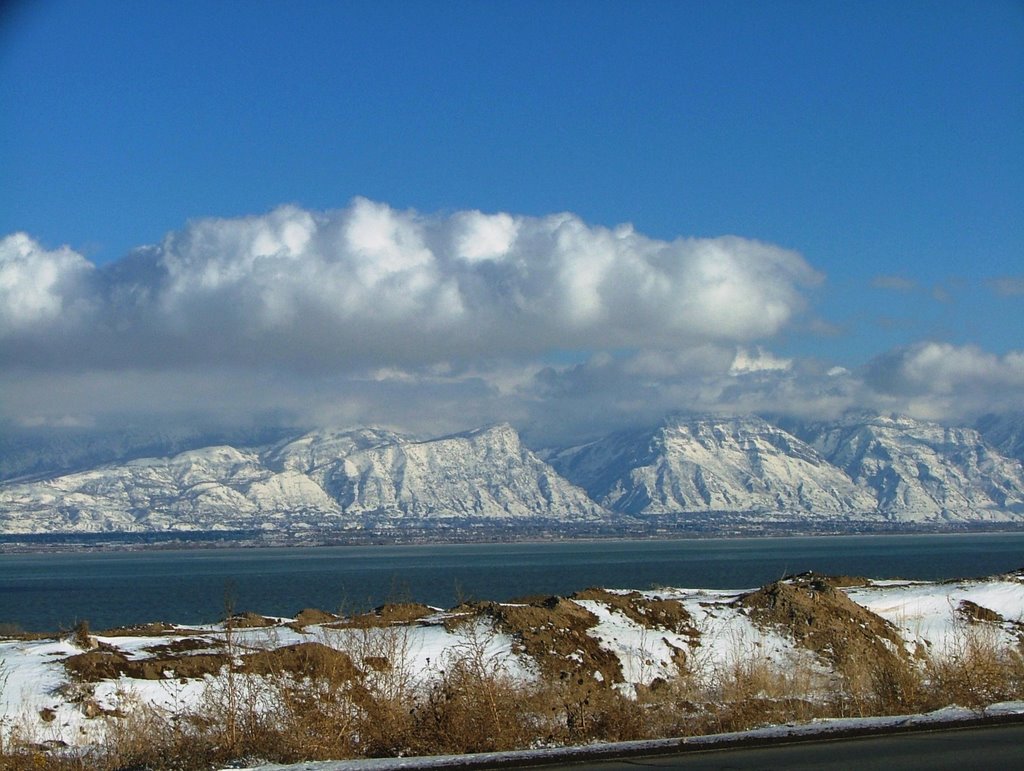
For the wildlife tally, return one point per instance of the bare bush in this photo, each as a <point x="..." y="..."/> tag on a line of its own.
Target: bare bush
<point x="476" y="704"/>
<point x="976" y="669"/>
<point x="881" y="685"/>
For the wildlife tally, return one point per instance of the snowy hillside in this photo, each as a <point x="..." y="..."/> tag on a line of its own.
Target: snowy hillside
<point x="863" y="468"/>
<point x="919" y="470"/>
<point x="323" y="479"/>
<point x="1004" y="432"/>
<point x="711" y="464"/>
<point x="692" y="658"/>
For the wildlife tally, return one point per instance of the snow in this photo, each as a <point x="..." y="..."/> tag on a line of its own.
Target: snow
<point x="643" y="653"/>
<point x="924" y="613"/>
<point x="864" y="468"/>
<point x="927" y="613"/>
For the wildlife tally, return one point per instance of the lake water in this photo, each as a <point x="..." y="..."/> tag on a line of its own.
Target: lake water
<point x="50" y="591"/>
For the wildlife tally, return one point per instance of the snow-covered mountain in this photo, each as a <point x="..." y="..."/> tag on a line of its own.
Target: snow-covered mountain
<point x="323" y="479"/>
<point x="862" y="467"/>
<point x="47" y="451"/>
<point x="483" y="473"/>
<point x="1004" y="432"/>
<point x="711" y="464"/>
<point x="920" y="470"/>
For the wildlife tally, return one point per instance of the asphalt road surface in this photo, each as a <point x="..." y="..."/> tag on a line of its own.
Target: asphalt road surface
<point x="964" y="749"/>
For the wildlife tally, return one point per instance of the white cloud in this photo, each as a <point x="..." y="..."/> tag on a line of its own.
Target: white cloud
<point x="757" y="360"/>
<point x="479" y="236"/>
<point x="436" y="323"/>
<point x="370" y="285"/>
<point x="39" y="287"/>
<point x="940" y="379"/>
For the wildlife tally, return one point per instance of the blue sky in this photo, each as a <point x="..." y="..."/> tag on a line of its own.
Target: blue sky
<point x="880" y="142"/>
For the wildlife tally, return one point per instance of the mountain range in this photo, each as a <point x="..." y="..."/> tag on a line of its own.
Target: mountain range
<point x="861" y="468"/>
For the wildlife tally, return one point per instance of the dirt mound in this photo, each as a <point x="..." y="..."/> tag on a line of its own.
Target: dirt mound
<point x="250" y="621"/>
<point x="305" y="659"/>
<point x="103" y="664"/>
<point x="308" y="659"/>
<point x="167" y="667"/>
<point x="976" y="613"/>
<point x="553" y="632"/>
<point x="155" y="629"/>
<point x="837" y="581"/>
<point x="669" y="615"/>
<point x="822" y="618"/>
<point x="387" y="615"/>
<point x="311" y="616"/>
<point x="95" y="665"/>
<point x="184" y="645"/>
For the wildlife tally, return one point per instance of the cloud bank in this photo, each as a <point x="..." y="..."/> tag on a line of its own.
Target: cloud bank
<point x="437" y="322"/>
<point x="369" y="285"/>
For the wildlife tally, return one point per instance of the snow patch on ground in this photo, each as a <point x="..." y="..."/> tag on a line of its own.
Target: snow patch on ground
<point x="37" y="692"/>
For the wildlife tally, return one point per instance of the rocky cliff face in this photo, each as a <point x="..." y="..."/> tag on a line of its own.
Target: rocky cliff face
<point x="863" y="467"/>
<point x="1004" y="432"/>
<point x="321" y="479"/>
<point x="484" y="473"/>
<point x="711" y="464"/>
<point x="919" y="470"/>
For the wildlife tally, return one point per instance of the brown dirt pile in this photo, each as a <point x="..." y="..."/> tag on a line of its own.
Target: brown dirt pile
<point x="101" y="664"/>
<point x="310" y="616"/>
<point x="304" y="659"/>
<point x="654" y="614"/>
<point x="250" y="621"/>
<point x="155" y="629"/>
<point x="185" y="645"/>
<point x="553" y="632"/>
<point x="974" y="612"/>
<point x="386" y="615"/>
<point x="308" y="659"/>
<point x="838" y="581"/>
<point x="822" y="618"/>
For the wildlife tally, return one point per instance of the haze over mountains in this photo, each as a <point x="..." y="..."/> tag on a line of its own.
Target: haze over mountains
<point x="862" y="468"/>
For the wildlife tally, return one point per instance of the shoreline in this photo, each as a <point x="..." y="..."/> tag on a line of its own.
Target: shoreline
<point x="89" y="542"/>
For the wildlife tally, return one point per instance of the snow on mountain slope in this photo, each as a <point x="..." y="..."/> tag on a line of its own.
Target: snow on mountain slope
<point x="207" y="489"/>
<point x="923" y="471"/>
<point x="482" y="473"/>
<point x="711" y="464"/>
<point x="321" y="478"/>
<point x="1004" y="432"/>
<point x="318" y="450"/>
<point x="863" y="467"/>
<point x="46" y="452"/>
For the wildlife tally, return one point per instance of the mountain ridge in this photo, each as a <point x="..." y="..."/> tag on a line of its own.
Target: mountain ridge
<point x="861" y="467"/>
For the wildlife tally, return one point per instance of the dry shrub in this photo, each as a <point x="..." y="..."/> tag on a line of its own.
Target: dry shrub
<point x="477" y="704"/>
<point x="883" y="685"/>
<point x="470" y="711"/>
<point x="388" y="685"/>
<point x="585" y="710"/>
<point x="976" y="669"/>
<point x="753" y="690"/>
<point x="283" y="714"/>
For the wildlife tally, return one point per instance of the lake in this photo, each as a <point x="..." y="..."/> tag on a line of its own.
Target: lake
<point x="50" y="591"/>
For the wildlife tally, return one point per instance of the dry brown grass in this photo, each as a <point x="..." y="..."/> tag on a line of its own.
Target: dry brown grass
<point x="977" y="669"/>
<point x="352" y="692"/>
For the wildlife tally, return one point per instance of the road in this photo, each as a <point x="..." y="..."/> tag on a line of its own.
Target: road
<point x="963" y="749"/>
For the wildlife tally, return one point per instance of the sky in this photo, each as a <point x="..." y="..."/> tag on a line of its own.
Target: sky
<point x="571" y="216"/>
